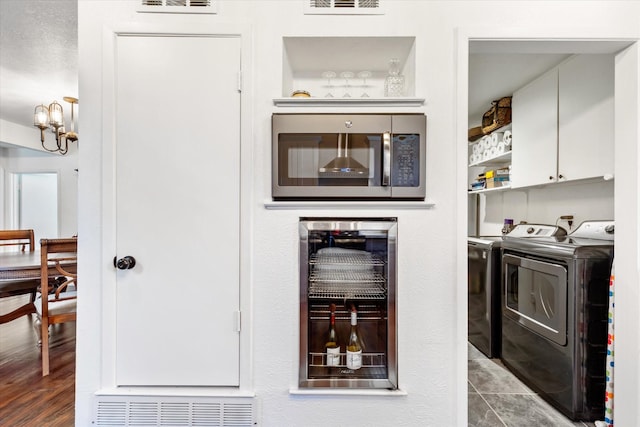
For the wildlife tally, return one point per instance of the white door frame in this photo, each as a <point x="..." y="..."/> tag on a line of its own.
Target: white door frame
<point x="627" y="377"/>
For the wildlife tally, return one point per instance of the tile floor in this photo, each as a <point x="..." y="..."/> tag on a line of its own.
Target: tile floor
<point x="498" y="399"/>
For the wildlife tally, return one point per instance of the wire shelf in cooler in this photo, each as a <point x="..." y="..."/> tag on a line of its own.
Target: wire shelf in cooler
<point x="351" y="259"/>
<point x="346" y="276"/>
<point x="369" y="360"/>
<point x="347" y="284"/>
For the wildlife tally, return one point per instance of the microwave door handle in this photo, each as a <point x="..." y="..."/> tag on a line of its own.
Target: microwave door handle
<point x="386" y="158"/>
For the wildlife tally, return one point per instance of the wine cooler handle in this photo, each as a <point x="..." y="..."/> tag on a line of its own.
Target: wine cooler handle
<point x="126" y="263"/>
<point x="386" y="159"/>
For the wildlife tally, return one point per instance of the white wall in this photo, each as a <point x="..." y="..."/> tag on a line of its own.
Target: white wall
<point x="3" y="163"/>
<point x="432" y="243"/>
<point x="590" y="200"/>
<point x="16" y="159"/>
<point x="20" y="136"/>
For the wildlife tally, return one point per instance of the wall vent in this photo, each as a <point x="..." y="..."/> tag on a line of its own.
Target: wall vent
<point x="178" y="6"/>
<point x="174" y="411"/>
<point x="343" y="7"/>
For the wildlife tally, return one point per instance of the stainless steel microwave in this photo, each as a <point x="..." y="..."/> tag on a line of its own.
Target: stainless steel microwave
<point x="348" y="156"/>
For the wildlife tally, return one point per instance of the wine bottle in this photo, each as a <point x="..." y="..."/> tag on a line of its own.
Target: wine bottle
<point x="354" y="349"/>
<point x="332" y="347"/>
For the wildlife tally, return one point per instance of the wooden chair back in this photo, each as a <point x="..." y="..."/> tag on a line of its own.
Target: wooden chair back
<point x="18" y="238"/>
<point x="58" y="257"/>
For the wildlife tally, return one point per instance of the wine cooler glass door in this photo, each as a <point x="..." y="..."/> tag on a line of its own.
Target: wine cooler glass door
<point x="347" y="303"/>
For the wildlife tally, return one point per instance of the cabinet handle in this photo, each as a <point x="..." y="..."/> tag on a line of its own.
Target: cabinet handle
<point x="550" y="178"/>
<point x="560" y="176"/>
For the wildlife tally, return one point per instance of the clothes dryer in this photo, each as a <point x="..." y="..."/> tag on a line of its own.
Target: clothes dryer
<point x="554" y="315"/>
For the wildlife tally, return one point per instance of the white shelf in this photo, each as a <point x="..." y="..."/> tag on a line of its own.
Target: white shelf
<point x="353" y="102"/>
<point x="488" y="190"/>
<point x="306" y="59"/>
<point x="336" y="204"/>
<point x="494" y="161"/>
<point x="502" y="129"/>
<point x="347" y="392"/>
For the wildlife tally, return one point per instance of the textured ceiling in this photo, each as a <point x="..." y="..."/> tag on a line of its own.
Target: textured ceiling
<point x="38" y="56"/>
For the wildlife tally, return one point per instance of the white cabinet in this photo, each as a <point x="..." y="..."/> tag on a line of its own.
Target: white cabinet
<point x="563" y="123"/>
<point x="176" y="172"/>
<point x="585" y="109"/>
<point x="535" y="132"/>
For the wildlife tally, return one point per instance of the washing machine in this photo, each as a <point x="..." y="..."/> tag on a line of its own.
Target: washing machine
<point x="483" y="298"/>
<point x="554" y="314"/>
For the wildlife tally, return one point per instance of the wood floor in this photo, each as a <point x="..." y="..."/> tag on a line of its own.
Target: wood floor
<point x="26" y="398"/>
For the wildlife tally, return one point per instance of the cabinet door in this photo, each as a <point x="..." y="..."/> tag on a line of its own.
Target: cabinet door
<point x="534" y="155"/>
<point x="585" y="132"/>
<point x="177" y="172"/>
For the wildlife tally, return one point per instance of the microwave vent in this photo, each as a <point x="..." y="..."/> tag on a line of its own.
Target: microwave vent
<point x="178" y="6"/>
<point x="343" y="7"/>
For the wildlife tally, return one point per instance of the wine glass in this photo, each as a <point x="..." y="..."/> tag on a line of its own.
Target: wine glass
<point x="346" y="75"/>
<point x="329" y="75"/>
<point x="364" y="75"/>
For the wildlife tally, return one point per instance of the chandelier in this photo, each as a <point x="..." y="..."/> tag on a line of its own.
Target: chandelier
<point x="52" y="117"/>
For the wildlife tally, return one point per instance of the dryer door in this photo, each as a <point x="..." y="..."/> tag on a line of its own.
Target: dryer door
<point x="535" y="295"/>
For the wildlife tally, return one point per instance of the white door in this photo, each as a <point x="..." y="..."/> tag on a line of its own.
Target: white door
<point x="35" y="203"/>
<point x="177" y="153"/>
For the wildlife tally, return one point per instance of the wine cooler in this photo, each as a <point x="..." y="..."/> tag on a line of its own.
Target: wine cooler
<point x="348" y="303"/>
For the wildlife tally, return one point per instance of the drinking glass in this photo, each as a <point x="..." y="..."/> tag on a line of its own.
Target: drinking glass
<point x="346" y="75"/>
<point x="364" y="75"/>
<point x="329" y="75"/>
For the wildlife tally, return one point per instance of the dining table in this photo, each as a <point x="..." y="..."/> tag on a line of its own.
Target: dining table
<point x="23" y="270"/>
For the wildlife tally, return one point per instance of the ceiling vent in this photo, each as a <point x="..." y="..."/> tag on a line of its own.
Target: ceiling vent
<point x="343" y="7"/>
<point x="178" y="6"/>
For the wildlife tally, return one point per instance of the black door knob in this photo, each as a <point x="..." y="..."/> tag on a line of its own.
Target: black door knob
<point x="124" y="263"/>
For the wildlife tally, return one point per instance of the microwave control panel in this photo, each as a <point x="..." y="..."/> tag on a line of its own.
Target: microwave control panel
<point x="406" y="164"/>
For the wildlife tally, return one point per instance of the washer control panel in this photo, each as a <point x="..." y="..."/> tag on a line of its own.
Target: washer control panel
<point x="603" y="230"/>
<point x="536" y="230"/>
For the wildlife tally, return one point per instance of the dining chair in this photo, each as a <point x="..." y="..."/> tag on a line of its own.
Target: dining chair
<point x="18" y="241"/>
<point x="56" y="304"/>
<point x="17" y="238"/>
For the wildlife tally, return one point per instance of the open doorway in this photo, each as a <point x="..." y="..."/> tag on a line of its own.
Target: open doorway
<point x="545" y="47"/>
<point x="34" y="203"/>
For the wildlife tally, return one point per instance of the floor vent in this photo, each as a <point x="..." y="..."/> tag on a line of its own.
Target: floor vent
<point x="178" y="6"/>
<point x="343" y="7"/>
<point x="129" y="411"/>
